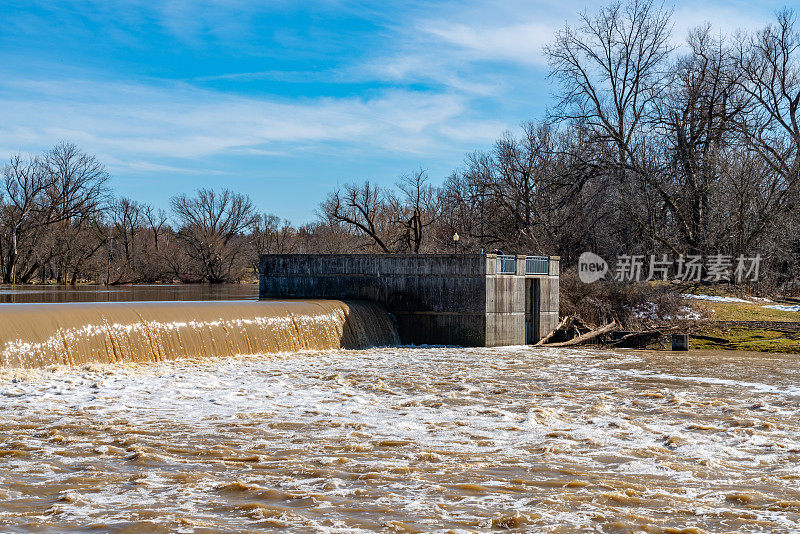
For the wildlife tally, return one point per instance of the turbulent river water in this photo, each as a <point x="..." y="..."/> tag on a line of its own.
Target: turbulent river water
<point x="406" y="440"/>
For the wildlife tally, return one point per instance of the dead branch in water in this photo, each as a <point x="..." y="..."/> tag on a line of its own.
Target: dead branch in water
<point x="560" y="326"/>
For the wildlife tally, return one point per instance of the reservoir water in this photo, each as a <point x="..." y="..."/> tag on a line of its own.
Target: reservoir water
<point x="142" y="292"/>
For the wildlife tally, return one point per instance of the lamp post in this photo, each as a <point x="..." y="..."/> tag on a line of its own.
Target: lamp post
<point x="455" y="243"/>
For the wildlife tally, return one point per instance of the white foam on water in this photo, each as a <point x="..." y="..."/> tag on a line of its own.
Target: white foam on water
<point x="440" y="438"/>
<point x="791" y="391"/>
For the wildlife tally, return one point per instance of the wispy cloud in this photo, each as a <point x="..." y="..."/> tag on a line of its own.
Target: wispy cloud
<point x="521" y="43"/>
<point x="115" y="164"/>
<point x="725" y="18"/>
<point x="518" y="31"/>
<point x="291" y="76"/>
<point x="179" y="121"/>
<point x="185" y="88"/>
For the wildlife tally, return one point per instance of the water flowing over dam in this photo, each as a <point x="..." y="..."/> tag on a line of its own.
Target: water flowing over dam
<point x="40" y="335"/>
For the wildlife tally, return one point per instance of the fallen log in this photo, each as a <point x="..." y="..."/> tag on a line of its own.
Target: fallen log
<point x="587" y="336"/>
<point x="549" y="336"/>
<point x="578" y="322"/>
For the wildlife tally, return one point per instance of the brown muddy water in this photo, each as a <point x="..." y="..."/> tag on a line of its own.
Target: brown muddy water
<point x="140" y="292"/>
<point x="406" y="440"/>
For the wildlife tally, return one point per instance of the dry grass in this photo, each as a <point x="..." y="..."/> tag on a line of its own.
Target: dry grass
<point x="736" y="311"/>
<point x="758" y="338"/>
<point x="751" y="339"/>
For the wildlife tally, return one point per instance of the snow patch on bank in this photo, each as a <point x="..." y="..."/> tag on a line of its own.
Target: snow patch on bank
<point x="650" y="311"/>
<point x="783" y="307"/>
<point x="715" y="298"/>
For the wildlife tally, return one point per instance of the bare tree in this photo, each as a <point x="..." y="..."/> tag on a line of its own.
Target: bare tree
<point x="417" y="209"/>
<point x="25" y="182"/>
<point x="695" y="120"/>
<point x="126" y="220"/>
<point x="78" y="183"/>
<point x="325" y="237"/>
<point x="538" y="191"/>
<point x="73" y="246"/>
<point x="363" y="207"/>
<point x="270" y="235"/>
<point x="211" y="228"/>
<point x="612" y="69"/>
<point x="769" y="73"/>
<point x="64" y="185"/>
<point x="156" y="221"/>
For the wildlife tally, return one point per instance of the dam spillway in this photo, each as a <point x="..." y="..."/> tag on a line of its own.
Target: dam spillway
<point x="41" y="335"/>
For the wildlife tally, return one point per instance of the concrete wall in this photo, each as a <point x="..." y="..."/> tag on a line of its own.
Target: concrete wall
<point x="505" y="302"/>
<point x="437" y="298"/>
<point x="505" y="305"/>
<point x="549" y="297"/>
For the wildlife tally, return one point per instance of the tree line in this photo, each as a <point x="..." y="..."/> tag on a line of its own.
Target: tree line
<point x="654" y="146"/>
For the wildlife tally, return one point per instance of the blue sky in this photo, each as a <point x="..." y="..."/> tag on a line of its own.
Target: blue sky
<point x="283" y="100"/>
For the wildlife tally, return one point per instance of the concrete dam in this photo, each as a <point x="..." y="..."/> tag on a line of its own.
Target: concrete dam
<point x="449" y="299"/>
<point x="308" y="302"/>
<point x="41" y="335"/>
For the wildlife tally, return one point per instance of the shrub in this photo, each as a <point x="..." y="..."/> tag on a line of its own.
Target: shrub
<point x="634" y="306"/>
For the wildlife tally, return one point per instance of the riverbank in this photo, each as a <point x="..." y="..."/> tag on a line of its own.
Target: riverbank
<point x="744" y="322"/>
<point x="644" y="316"/>
<point x="761" y="336"/>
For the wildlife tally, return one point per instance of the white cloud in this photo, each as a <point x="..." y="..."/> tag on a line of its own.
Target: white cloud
<point x="518" y="31"/>
<point x="148" y="166"/>
<point x="521" y="43"/>
<point x="135" y="122"/>
<point x="724" y="19"/>
<point x="465" y="52"/>
<point x="447" y="70"/>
